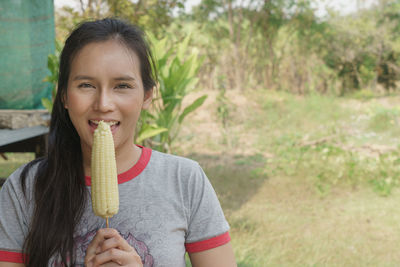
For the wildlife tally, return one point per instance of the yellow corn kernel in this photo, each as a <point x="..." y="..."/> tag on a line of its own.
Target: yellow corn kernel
<point x="105" y="198"/>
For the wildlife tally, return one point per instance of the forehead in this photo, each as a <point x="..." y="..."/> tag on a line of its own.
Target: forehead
<point x="110" y="56"/>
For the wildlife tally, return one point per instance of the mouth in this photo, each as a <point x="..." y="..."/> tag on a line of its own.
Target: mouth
<point x="113" y="124"/>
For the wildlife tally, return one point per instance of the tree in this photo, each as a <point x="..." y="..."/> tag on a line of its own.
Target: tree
<point x="152" y="15"/>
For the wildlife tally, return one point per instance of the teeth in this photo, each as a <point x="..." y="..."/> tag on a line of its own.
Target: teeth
<point x="111" y="123"/>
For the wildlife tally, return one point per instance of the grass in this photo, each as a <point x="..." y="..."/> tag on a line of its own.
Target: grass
<point x="286" y="224"/>
<point x="13" y="161"/>
<point x="303" y="181"/>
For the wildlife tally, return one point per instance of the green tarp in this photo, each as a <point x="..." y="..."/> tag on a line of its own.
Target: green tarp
<point x="26" y="38"/>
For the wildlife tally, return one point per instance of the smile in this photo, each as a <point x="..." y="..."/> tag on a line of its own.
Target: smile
<point x="110" y="123"/>
<point x="113" y="124"/>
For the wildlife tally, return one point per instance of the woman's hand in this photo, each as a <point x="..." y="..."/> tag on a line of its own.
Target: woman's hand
<point x="109" y="248"/>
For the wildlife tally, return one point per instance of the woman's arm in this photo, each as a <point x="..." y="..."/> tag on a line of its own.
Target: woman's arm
<point x="10" y="264"/>
<point x="221" y="256"/>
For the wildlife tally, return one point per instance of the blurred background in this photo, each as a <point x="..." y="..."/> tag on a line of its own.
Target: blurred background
<point x="290" y="106"/>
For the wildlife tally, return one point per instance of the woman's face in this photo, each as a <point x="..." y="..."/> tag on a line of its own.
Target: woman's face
<point x="105" y="84"/>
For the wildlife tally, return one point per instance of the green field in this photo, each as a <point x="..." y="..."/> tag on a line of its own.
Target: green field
<point x="13" y="161"/>
<point x="303" y="181"/>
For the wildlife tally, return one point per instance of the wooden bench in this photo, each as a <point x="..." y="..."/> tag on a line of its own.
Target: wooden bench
<point x="30" y="139"/>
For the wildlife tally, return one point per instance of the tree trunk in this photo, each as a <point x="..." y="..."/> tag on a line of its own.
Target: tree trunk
<point x="235" y="38"/>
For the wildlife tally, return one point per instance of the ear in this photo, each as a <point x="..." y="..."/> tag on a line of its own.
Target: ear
<point x="64" y="101"/>
<point x="148" y="98"/>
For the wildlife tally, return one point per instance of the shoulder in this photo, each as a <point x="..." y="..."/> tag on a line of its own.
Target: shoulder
<point x="173" y="161"/>
<point x="171" y="167"/>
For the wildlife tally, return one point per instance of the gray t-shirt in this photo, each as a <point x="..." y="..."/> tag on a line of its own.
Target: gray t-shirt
<point x="167" y="207"/>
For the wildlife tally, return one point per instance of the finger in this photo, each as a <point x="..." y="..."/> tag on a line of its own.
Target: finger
<point x="116" y="242"/>
<point x="110" y="264"/>
<point x="101" y="235"/>
<point x="91" y="249"/>
<point x="107" y="232"/>
<point x="118" y="256"/>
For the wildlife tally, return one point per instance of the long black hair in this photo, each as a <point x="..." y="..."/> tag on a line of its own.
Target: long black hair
<point x="59" y="191"/>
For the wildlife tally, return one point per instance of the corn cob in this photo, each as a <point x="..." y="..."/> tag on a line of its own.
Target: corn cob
<point x="105" y="199"/>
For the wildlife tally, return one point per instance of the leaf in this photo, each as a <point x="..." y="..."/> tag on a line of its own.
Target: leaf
<point x="160" y="50"/>
<point x="150" y="132"/>
<point x="58" y="46"/>
<point x="177" y="65"/>
<point x="197" y="103"/>
<point x="48" y="104"/>
<point x="182" y="47"/>
<point x="50" y="63"/>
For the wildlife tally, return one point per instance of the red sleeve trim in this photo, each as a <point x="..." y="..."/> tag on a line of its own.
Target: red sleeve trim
<point x="9" y="256"/>
<point x="208" y="244"/>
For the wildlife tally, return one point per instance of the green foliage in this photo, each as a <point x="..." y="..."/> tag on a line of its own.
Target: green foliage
<point x="387" y="175"/>
<point x="192" y="107"/>
<point x="364" y="49"/>
<point x="148" y="131"/>
<point x="177" y="68"/>
<point x="363" y="94"/>
<point x="315" y="138"/>
<point x="299" y="52"/>
<point x="382" y="119"/>
<point x="187" y="260"/>
<point x="13" y="162"/>
<point x="53" y="63"/>
<point x="270" y="43"/>
<point x="279" y="44"/>
<point x="223" y="103"/>
<point x="153" y="15"/>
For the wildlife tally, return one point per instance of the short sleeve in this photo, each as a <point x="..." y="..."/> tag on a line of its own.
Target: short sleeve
<point x="208" y="227"/>
<point x="13" y="225"/>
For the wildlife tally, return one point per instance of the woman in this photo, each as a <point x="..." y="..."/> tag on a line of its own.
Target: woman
<point x="167" y="205"/>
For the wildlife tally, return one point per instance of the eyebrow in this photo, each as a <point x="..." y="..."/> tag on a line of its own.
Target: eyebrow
<point x="125" y="78"/>
<point x="121" y="78"/>
<point x="83" y="77"/>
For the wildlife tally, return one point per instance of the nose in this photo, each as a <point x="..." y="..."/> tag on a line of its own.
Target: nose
<point x="104" y="101"/>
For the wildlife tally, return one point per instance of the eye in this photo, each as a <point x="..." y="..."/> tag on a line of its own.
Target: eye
<point x="124" y="86"/>
<point x="85" y="85"/>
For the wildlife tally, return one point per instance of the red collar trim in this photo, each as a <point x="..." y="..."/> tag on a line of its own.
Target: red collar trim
<point x="134" y="171"/>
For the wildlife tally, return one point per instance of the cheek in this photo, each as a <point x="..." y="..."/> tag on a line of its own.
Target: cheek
<point x="129" y="104"/>
<point x="75" y="102"/>
<point x="76" y="110"/>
